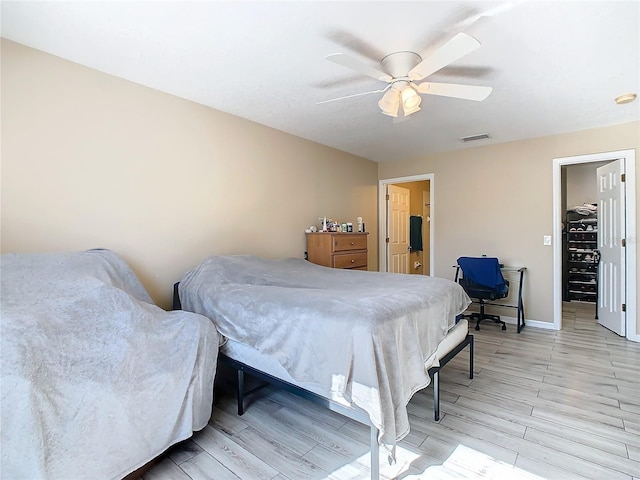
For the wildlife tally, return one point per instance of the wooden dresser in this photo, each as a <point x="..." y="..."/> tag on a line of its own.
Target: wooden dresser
<point x="338" y="250"/>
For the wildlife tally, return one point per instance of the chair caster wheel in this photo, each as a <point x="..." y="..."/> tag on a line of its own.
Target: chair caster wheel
<point x="504" y="327"/>
<point x="477" y="327"/>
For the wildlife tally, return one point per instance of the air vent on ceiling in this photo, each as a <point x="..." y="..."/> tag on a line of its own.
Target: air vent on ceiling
<point x="472" y="138"/>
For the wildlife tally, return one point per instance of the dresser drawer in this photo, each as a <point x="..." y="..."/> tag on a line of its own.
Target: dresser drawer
<point x="350" y="260"/>
<point x="349" y="242"/>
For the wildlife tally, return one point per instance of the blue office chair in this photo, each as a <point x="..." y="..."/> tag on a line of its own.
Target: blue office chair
<point x="482" y="279"/>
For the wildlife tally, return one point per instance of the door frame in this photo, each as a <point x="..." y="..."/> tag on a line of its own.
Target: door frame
<point x="383" y="252"/>
<point x="630" y="235"/>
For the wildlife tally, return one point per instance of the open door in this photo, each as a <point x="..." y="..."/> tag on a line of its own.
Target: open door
<point x="398" y="228"/>
<point x="611" y="234"/>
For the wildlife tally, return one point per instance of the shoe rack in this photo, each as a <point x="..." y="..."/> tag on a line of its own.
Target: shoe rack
<point x="581" y="257"/>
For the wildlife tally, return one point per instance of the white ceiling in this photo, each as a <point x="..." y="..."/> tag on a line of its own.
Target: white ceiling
<point x="554" y="66"/>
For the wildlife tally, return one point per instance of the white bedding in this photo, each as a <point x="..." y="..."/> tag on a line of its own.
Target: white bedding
<point x="362" y="336"/>
<point x="96" y="380"/>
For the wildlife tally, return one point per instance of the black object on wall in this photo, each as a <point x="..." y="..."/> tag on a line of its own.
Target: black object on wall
<point x="415" y="233"/>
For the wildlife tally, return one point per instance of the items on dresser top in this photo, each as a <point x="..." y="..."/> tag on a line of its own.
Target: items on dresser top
<point x="329" y="225"/>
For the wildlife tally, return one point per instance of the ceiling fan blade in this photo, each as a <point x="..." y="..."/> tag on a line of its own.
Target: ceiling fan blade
<point x="358" y="66"/>
<point x="456" y="48"/>
<point x="491" y="12"/>
<point x="468" y="92"/>
<point x="351" y="96"/>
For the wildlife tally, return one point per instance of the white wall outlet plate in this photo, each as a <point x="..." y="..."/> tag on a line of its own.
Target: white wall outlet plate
<point x="546" y="240"/>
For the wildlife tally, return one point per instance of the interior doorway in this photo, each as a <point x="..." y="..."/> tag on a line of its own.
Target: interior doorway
<point x="581" y="221"/>
<point x="421" y="210"/>
<point x="560" y="206"/>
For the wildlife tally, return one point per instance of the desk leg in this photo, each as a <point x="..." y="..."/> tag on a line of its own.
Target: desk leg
<point x="240" y="392"/>
<point x="521" y="323"/>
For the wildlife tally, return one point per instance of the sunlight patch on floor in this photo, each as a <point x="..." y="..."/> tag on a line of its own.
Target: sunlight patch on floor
<point x="404" y="459"/>
<point x="473" y="464"/>
<point x="464" y="463"/>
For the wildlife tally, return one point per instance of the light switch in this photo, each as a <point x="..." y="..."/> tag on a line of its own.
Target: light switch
<point x="546" y="240"/>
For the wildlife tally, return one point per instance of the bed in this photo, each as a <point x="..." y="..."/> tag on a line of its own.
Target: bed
<point x="96" y="379"/>
<point x="363" y="341"/>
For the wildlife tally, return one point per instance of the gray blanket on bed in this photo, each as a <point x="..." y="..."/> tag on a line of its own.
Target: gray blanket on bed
<point x="96" y="380"/>
<point x="362" y="336"/>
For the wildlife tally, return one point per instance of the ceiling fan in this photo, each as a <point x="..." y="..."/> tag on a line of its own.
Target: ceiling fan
<point x="401" y="70"/>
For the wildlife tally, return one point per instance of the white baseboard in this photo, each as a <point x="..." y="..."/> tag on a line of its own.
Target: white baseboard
<point x="543" y="325"/>
<point x="528" y="322"/>
<point x="633" y="338"/>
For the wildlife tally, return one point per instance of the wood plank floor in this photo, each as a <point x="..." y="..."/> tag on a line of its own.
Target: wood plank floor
<point x="543" y="404"/>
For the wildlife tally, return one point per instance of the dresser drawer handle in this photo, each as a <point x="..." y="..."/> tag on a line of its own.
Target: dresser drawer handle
<point x="353" y="243"/>
<point x="353" y="261"/>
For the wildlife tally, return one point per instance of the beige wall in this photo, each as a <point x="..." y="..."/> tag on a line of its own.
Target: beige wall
<point x="90" y="160"/>
<point x="497" y="200"/>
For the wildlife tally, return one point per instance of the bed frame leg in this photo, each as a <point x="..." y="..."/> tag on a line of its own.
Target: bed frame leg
<point x="240" y="391"/>
<point x="375" y="454"/>
<point x="436" y="395"/>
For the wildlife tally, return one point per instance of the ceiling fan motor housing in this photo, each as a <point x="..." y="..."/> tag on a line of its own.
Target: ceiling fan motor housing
<point x="399" y="64"/>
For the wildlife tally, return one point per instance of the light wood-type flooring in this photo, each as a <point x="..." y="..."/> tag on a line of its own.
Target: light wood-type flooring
<point x="543" y="404"/>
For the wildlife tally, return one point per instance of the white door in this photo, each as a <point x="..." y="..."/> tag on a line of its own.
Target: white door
<point x="611" y="232"/>
<point x="426" y="233"/>
<point x="398" y="229"/>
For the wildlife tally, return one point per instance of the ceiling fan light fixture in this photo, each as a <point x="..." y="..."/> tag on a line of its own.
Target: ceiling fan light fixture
<point x="390" y="102"/>
<point x="401" y="69"/>
<point x="410" y="99"/>
<point x="409" y="111"/>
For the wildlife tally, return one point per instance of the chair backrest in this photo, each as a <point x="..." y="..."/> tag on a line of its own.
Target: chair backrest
<point x="483" y="271"/>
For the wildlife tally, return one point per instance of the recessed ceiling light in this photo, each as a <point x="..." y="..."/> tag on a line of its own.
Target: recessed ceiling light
<point x="626" y="98"/>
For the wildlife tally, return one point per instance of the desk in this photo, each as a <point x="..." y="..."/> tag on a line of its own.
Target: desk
<point x="508" y="271"/>
<point x="520" y="305"/>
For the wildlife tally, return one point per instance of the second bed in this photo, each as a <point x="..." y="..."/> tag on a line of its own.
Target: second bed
<point x="364" y="341"/>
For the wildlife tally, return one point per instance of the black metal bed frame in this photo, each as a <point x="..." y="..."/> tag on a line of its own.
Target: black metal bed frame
<point x="354" y="413"/>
